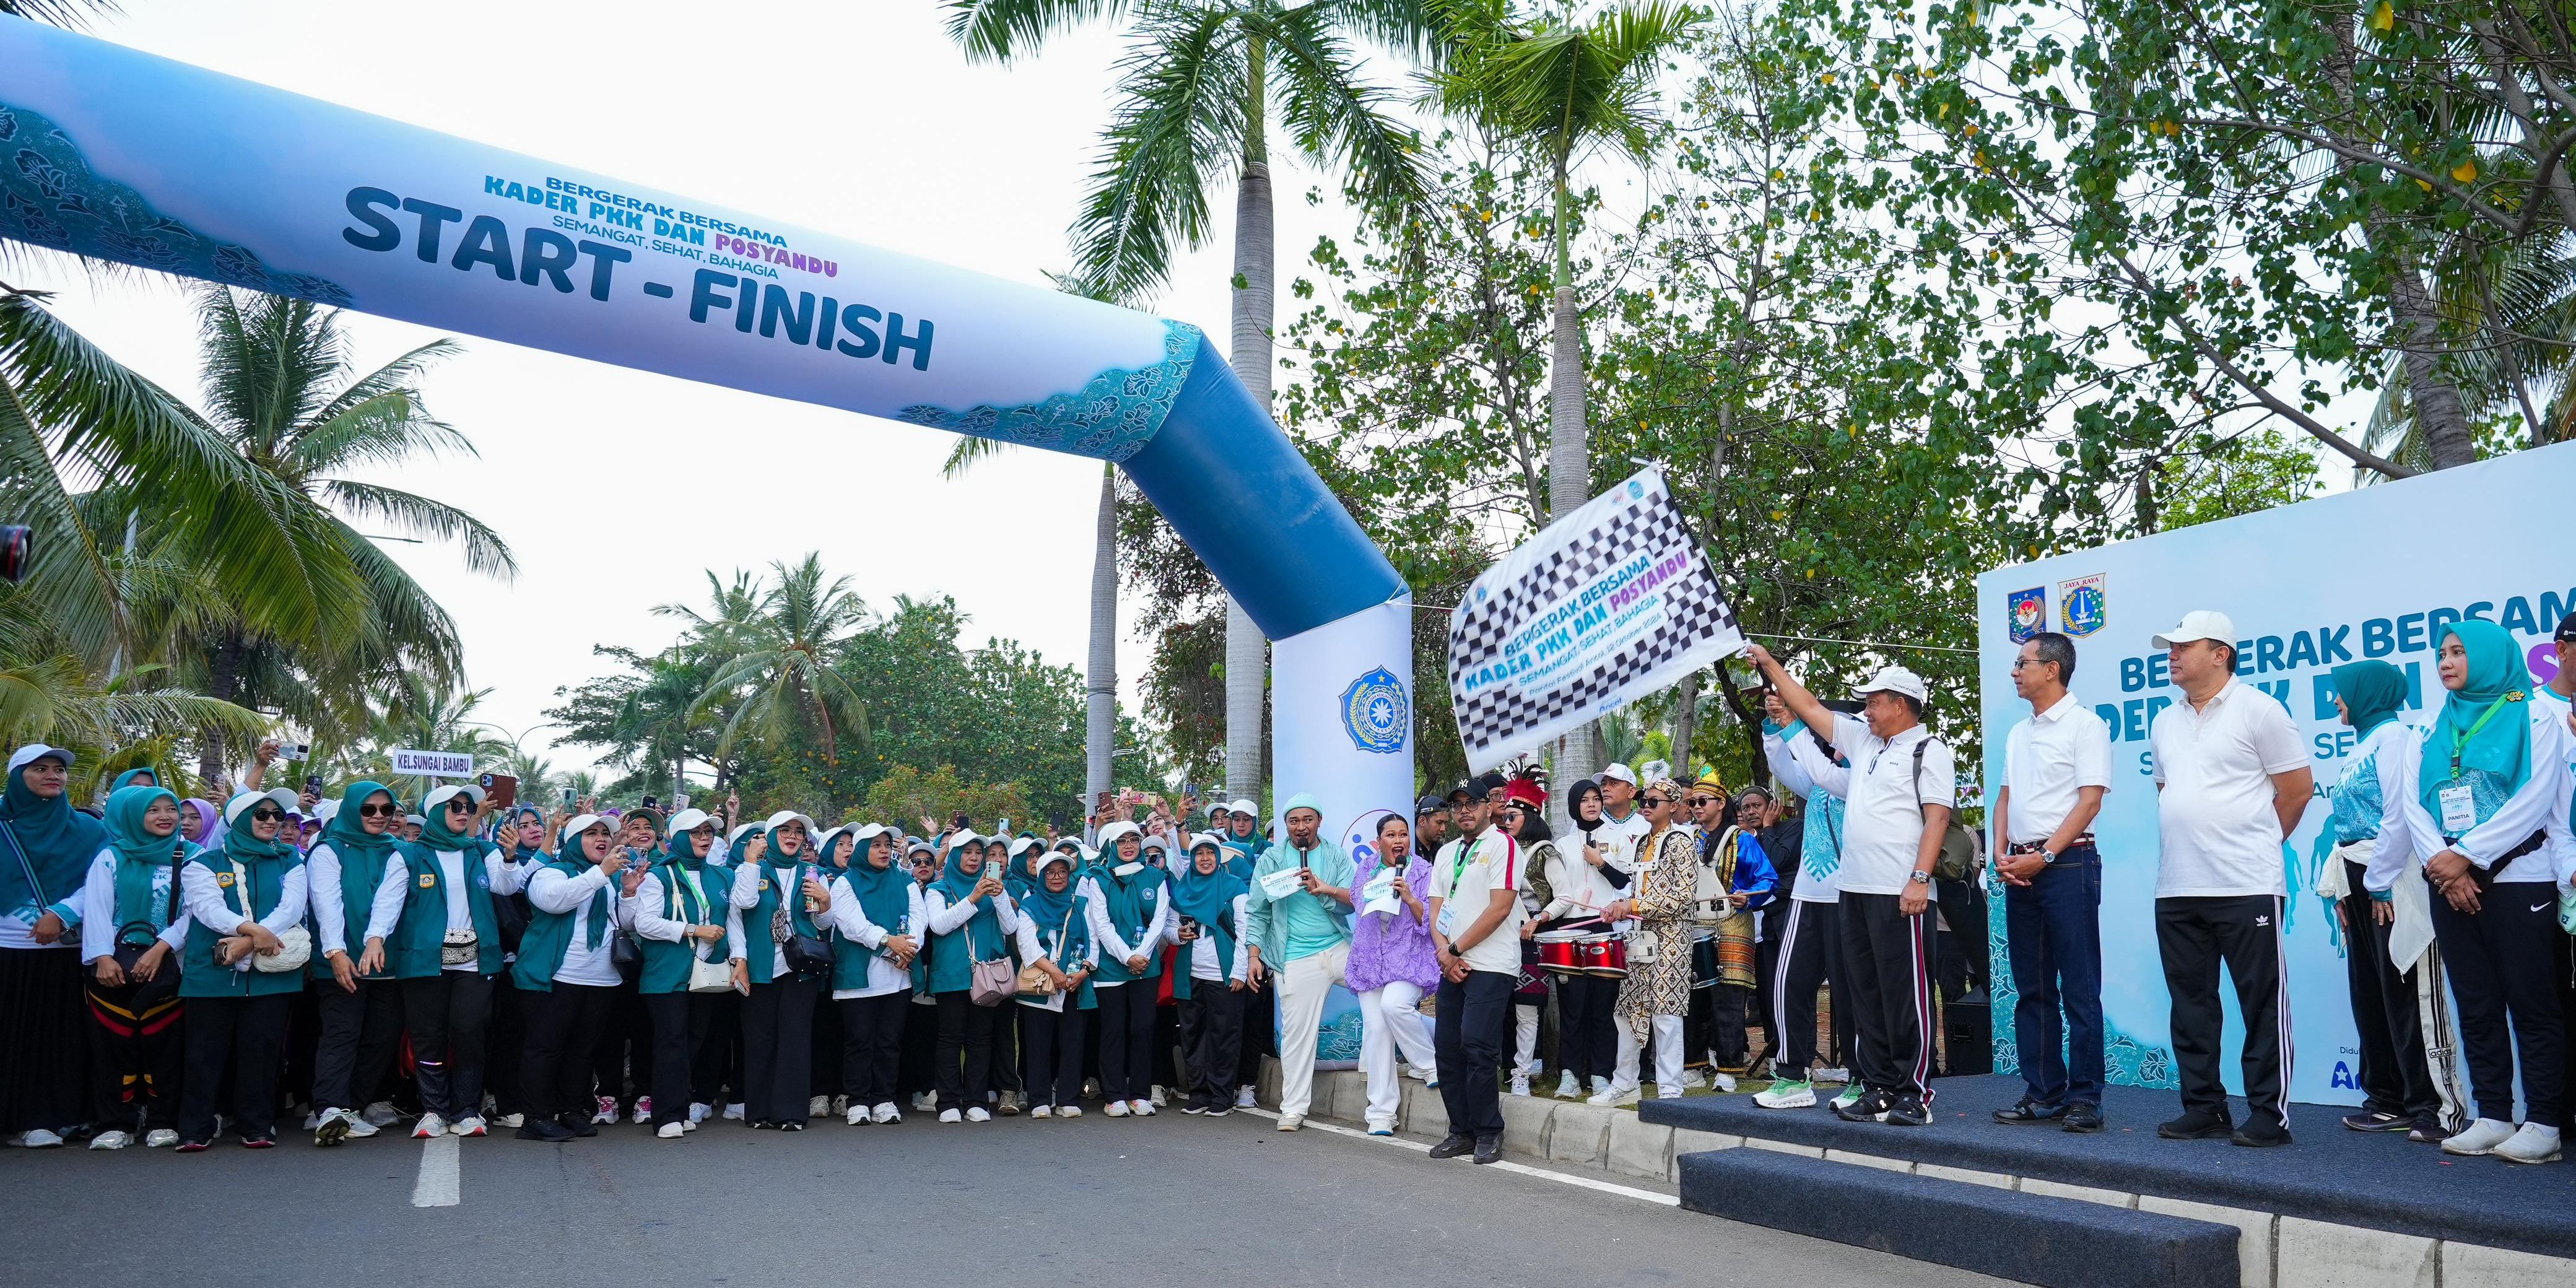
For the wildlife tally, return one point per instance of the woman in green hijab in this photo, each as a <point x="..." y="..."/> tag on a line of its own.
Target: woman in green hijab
<point x="246" y="917"/>
<point x="2487" y="806"/>
<point x="2397" y="1087"/>
<point x="46" y="848"/>
<point x="359" y="1002"/>
<point x="132" y="899"/>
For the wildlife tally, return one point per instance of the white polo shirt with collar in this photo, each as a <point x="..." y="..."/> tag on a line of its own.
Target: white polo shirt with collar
<point x="2219" y="834"/>
<point x="2048" y="758"/>
<point x="1883" y="816"/>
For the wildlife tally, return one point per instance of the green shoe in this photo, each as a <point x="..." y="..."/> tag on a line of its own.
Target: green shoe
<point x="1787" y="1094"/>
<point x="1851" y="1096"/>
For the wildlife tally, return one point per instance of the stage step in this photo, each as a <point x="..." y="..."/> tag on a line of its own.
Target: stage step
<point x="2061" y="1243"/>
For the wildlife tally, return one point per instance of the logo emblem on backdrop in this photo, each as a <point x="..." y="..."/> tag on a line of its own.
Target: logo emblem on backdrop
<point x="2029" y="613"/>
<point x="1376" y="712"/>
<point x="2083" y="605"/>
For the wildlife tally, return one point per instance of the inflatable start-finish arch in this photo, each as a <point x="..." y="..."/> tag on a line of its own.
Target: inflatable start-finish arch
<point x="123" y="156"/>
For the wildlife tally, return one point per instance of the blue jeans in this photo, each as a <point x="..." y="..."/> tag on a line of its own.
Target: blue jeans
<point x="2054" y="925"/>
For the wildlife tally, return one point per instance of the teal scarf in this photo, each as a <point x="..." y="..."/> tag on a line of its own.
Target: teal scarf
<point x="1207" y="900"/>
<point x="58" y="842"/>
<point x="984" y="929"/>
<point x="349" y="839"/>
<point x="138" y="853"/>
<point x="126" y="779"/>
<point x="594" y="917"/>
<point x="2483" y="735"/>
<point x="2372" y="691"/>
<point x="884" y="894"/>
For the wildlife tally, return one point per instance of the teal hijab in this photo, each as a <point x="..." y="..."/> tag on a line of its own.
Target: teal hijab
<point x="434" y="833"/>
<point x="348" y="838"/>
<point x="1207" y="900"/>
<point x="246" y="849"/>
<point x="595" y="917"/>
<point x="2371" y="691"/>
<point x="2483" y="735"/>
<point x="884" y="893"/>
<point x="126" y="779"/>
<point x="138" y="852"/>
<point x="520" y="853"/>
<point x="58" y="841"/>
<point x="984" y="929"/>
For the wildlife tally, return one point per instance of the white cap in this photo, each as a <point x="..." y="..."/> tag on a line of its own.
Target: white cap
<point x="1207" y="838"/>
<point x="2199" y="624"/>
<point x="472" y="794"/>
<point x="35" y="751"/>
<point x="1897" y="679"/>
<point x="242" y="802"/>
<point x="740" y="831"/>
<point x="1024" y="845"/>
<point x="786" y="816"/>
<point x="1219" y="807"/>
<point x="866" y="833"/>
<point x="1245" y="807"/>
<point x="687" y="820"/>
<point x="1620" y="772"/>
<point x="1109" y="835"/>
<point x="577" y="825"/>
<point x="326" y="809"/>
<point x="960" y="840"/>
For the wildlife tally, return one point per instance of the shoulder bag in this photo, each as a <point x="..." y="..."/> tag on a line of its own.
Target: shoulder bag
<point x="1033" y="979"/>
<point x="705" y="976"/>
<point x="806" y="954"/>
<point x="142" y="995"/>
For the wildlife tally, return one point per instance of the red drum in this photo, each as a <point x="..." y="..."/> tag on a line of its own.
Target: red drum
<point x="1559" y="956"/>
<point x="1603" y="955"/>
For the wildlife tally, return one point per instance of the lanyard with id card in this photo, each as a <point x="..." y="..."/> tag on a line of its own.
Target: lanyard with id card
<point x="2459" y="804"/>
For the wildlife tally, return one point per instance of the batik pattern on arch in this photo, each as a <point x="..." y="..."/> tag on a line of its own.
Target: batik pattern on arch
<point x="2126" y="1062"/>
<point x="49" y="196"/>
<point x="1110" y="418"/>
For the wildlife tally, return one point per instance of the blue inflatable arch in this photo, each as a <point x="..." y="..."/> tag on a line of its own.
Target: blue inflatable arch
<point x="124" y="156"/>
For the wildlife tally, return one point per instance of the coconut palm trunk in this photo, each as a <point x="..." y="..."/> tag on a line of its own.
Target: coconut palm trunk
<point x="1247" y="653"/>
<point x="1100" y="678"/>
<point x="1569" y="453"/>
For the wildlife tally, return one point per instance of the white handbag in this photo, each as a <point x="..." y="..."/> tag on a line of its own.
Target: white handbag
<point x="294" y="944"/>
<point x="710" y="976"/>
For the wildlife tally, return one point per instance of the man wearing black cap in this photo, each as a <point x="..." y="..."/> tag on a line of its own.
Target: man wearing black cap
<point x="1431" y="823"/>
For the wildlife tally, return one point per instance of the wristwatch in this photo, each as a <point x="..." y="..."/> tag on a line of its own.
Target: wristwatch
<point x="1920" y="878"/>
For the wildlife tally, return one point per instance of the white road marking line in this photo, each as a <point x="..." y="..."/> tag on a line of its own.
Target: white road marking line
<point x="1623" y="1191"/>
<point x="441" y="1179"/>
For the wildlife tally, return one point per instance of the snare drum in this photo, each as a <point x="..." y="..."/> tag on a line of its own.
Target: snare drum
<point x="1603" y="955"/>
<point x="1560" y="956"/>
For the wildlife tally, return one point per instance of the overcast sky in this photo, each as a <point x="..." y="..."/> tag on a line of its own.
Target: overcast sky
<point x="857" y="119"/>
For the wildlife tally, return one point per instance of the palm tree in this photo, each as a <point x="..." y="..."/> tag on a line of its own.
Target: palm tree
<point x="1198" y="89"/>
<point x="781" y="675"/>
<point x="1561" y="89"/>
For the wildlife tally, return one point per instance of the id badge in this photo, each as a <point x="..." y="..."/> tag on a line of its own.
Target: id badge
<point x="1449" y="919"/>
<point x="2459" y="809"/>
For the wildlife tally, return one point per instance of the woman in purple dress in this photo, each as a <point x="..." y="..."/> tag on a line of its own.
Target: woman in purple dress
<point x="1392" y="966"/>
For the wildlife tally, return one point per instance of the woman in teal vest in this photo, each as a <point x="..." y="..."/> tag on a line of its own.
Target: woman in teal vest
<point x="131" y="900"/>
<point x="444" y="944"/>
<point x="676" y="917"/>
<point x="359" y="1002"/>
<point x="1055" y="937"/>
<point x="917" y="1075"/>
<point x="876" y="916"/>
<point x="970" y="921"/>
<point x="1130" y="918"/>
<point x="244" y="901"/>
<point x="834" y="850"/>
<point x="568" y="971"/>
<point x="1209" y="979"/>
<point x="778" y="897"/>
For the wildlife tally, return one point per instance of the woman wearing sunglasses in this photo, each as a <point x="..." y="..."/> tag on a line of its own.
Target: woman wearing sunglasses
<point x="775" y="898"/>
<point x="876" y="916"/>
<point x="132" y="904"/>
<point x="432" y="921"/>
<point x="242" y="901"/>
<point x="674" y="915"/>
<point x="359" y="1002"/>
<point x="568" y="971"/>
<point x="1656" y="993"/>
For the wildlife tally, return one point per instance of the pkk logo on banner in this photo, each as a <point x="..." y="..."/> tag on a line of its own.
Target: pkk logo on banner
<point x="1607" y="604"/>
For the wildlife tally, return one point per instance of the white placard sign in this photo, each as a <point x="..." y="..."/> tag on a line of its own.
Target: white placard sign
<point x="434" y="764"/>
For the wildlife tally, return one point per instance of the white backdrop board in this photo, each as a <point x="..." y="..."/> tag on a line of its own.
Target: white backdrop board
<point x="2369" y="573"/>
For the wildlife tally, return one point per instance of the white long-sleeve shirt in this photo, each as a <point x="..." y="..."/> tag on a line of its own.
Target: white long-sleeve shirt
<point x="205" y="898"/>
<point x="2540" y="804"/>
<point x="2376" y="755"/>
<point x="945" y="917"/>
<point x="1804" y="769"/>
<point x="1203" y="962"/>
<point x="1109" y="945"/>
<point x="551" y="891"/>
<point x="98" y="902"/>
<point x="1579" y="887"/>
<point x="1032" y="939"/>
<point x="745" y="896"/>
<point x="846" y="916"/>
<point x="385" y="910"/>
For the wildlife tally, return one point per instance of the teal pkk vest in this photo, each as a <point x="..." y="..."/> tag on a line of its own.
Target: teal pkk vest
<point x="199" y="975"/>
<point x="1222" y="935"/>
<point x="413" y="949"/>
<point x="666" y="965"/>
<point x="758" y="949"/>
<point x="359" y="877"/>
<point x="549" y="934"/>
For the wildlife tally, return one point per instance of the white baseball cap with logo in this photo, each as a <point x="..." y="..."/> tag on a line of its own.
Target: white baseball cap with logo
<point x="1897" y="679"/>
<point x="2198" y="624"/>
<point x="1620" y="772"/>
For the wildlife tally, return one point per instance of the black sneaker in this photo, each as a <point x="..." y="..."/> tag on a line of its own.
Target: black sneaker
<point x="2196" y="1124"/>
<point x="1218" y="1110"/>
<point x="2083" y="1116"/>
<point x="791" y="1126"/>
<point x="545" y="1130"/>
<point x="578" y="1124"/>
<point x="1908" y="1111"/>
<point x="2428" y="1130"/>
<point x="1871" y="1107"/>
<point x="1489" y="1150"/>
<point x="2374" y="1120"/>
<point x="1453" y="1147"/>
<point x="2030" y="1113"/>
<point x="2260" y="1136"/>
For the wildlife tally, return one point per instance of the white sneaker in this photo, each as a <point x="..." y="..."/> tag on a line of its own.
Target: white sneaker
<point x="1787" y="1095"/>
<point x="1670" y="1090"/>
<point x="1142" y="1108"/>
<point x="1725" y="1081"/>
<point x="332" y="1126"/>
<point x="1599" y="1084"/>
<point x="1291" y="1122"/>
<point x="925" y="1102"/>
<point x="818" y="1106"/>
<point x="607" y="1111"/>
<point x="1115" y="1109"/>
<point x="36" y="1138"/>
<point x="733" y="1112"/>
<point x="950" y="1116"/>
<point x="840" y="1104"/>
<point x="1567" y="1086"/>
<point x="469" y="1125"/>
<point x="2533" y="1144"/>
<point x="885" y="1112"/>
<point x="1041" y="1111"/>
<point x="1245" y="1099"/>
<point x="1693" y="1078"/>
<point x="688" y="1126"/>
<point x="430" y="1125"/>
<point x="1069" y="1111"/>
<point x="1831" y="1074"/>
<point x="671" y="1131"/>
<point x="2480" y="1138"/>
<point x="1520" y="1084"/>
<point x="855" y="1115"/>
<point x="1417" y="1073"/>
<point x="1380" y="1127"/>
<point x="643" y="1109"/>
<point x="1612" y="1096"/>
<point x="313" y="1120"/>
<point x="160" y="1138"/>
<point x="979" y="1114"/>
<point x="1157" y="1098"/>
<point x="511" y="1121"/>
<point x="698" y="1112"/>
<point x="111" y="1140"/>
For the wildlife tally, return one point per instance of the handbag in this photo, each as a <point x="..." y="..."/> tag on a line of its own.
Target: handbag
<point x="142" y="994"/>
<point x="294" y="952"/>
<point x="806" y="954"/>
<point x="992" y="983"/>
<point x="705" y="976"/>
<point x="460" y="948"/>
<point x="626" y="955"/>
<point x="1033" y="979"/>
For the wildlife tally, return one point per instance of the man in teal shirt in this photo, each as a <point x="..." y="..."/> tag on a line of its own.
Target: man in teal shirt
<point x="1300" y="915"/>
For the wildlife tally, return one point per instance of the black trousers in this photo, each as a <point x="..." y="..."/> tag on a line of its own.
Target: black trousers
<point x="448" y="1014"/>
<point x="2394" y="1076"/>
<point x="1467" y="1038"/>
<point x="1730" y="1010"/>
<point x="1801" y="960"/>
<point x="1963" y="959"/>
<point x="965" y="1057"/>
<point x="1211" y="1040"/>
<point x="620" y="1059"/>
<point x="1170" y="1051"/>
<point x="1007" y="1051"/>
<point x="872" y="1046"/>
<point x="2193" y="935"/>
<point x="679" y="1029"/>
<point x="563" y="1028"/>
<point x="715" y="1068"/>
<point x="1126" y="1039"/>
<point x="509" y="1033"/>
<point x="44" y="1074"/>
<point x="2502" y="961"/>
<point x="134" y="1057"/>
<point x="1260" y="1032"/>
<point x="1891" y="993"/>
<point x="1055" y="1054"/>
<point x="361" y="1034"/>
<point x="243" y="1038"/>
<point x="777" y="1036"/>
<point x="919" y="1072"/>
<point x="1587" y="1036"/>
<point x="827" y="1047"/>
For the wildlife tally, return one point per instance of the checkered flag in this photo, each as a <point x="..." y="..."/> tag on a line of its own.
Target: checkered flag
<point x="1609" y="603"/>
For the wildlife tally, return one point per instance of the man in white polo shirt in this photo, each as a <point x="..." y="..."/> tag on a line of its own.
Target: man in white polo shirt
<point x="1623" y="825"/>
<point x="2057" y="765"/>
<point x="2233" y="779"/>
<point x="1903" y="782"/>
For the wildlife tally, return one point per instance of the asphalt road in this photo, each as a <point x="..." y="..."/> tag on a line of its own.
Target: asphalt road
<point x="1165" y="1202"/>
